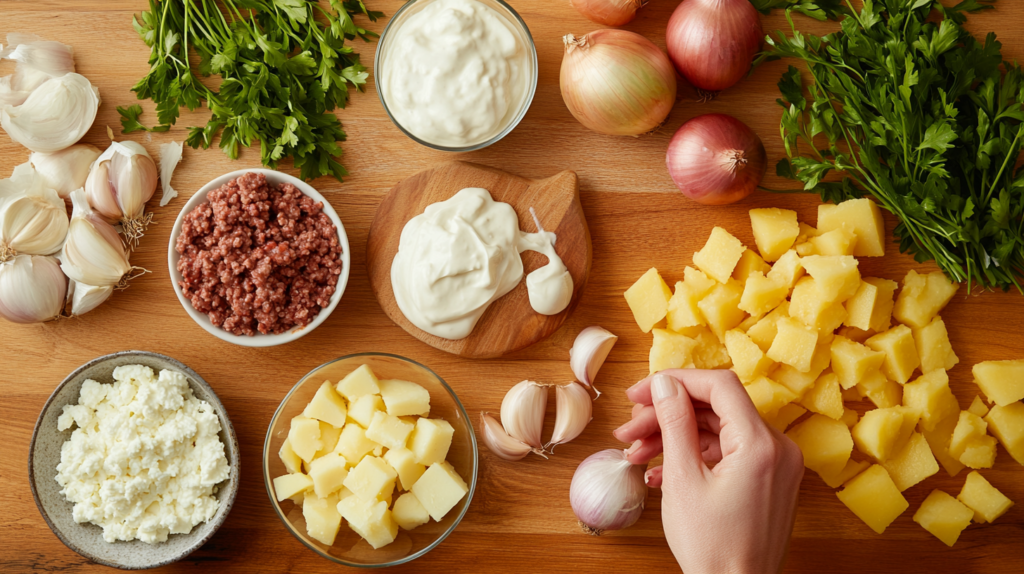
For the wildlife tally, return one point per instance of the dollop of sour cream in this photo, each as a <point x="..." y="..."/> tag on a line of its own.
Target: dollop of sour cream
<point x="454" y="73"/>
<point x="461" y="255"/>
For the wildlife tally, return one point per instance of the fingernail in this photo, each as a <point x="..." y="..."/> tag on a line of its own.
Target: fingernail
<point x="647" y="476"/>
<point x="663" y="387"/>
<point x="633" y="447"/>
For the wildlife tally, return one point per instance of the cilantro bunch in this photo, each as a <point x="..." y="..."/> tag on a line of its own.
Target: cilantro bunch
<point x="283" y="64"/>
<point x="911" y="109"/>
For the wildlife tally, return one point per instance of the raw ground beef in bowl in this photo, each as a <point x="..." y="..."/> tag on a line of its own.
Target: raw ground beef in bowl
<point x="257" y="257"/>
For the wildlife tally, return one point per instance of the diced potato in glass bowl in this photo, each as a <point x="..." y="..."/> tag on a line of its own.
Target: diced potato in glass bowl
<point x="370" y="460"/>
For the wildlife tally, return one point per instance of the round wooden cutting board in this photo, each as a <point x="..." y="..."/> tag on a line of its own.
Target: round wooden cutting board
<point x="510" y="323"/>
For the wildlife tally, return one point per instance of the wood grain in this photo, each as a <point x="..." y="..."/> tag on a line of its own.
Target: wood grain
<point x="520" y="519"/>
<point x="509" y="324"/>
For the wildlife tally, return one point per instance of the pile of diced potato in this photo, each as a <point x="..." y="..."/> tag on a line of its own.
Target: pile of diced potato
<point x="358" y="445"/>
<point x="805" y="333"/>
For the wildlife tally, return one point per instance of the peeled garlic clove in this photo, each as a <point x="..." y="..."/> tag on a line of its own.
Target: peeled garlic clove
<point x="498" y="441"/>
<point x="170" y="155"/>
<point x="574" y="410"/>
<point x="120" y="183"/>
<point x="93" y="253"/>
<point x="32" y="289"/>
<point x="66" y="170"/>
<point x="85" y="298"/>
<point x="588" y="353"/>
<point x="38" y="60"/>
<point x="33" y="218"/>
<point x="55" y="115"/>
<point x="522" y="412"/>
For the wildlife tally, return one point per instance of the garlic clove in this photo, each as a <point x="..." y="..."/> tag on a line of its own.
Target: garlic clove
<point x="120" y="183"/>
<point x="32" y="289"/>
<point x="588" y="353"/>
<point x="607" y="492"/>
<point x="574" y="410"/>
<point x="170" y="155"/>
<point x="66" y="170"/>
<point x="93" y="253"/>
<point x="522" y="412"/>
<point x="85" y="298"/>
<point x="498" y="441"/>
<point x="33" y="218"/>
<point x="55" y="115"/>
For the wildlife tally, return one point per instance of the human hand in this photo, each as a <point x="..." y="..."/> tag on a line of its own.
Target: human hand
<point x="738" y="516"/>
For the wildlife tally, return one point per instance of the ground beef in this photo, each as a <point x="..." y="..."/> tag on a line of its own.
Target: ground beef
<point x="257" y="257"/>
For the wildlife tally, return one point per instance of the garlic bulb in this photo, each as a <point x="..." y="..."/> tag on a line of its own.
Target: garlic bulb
<point x="33" y="218"/>
<point x="32" y="289"/>
<point x="66" y="170"/>
<point x="38" y="60"/>
<point x="93" y="253"/>
<point x="170" y="155"/>
<point x="588" y="353"/>
<point x="522" y="412"/>
<point x="498" y="441"/>
<point x="55" y="115"/>
<point x="85" y="298"/>
<point x="574" y="410"/>
<point x="607" y="492"/>
<point x="120" y="183"/>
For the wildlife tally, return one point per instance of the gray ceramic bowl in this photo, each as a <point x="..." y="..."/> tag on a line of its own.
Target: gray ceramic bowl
<point x="87" y="539"/>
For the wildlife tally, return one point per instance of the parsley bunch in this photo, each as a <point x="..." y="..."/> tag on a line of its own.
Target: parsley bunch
<point x="284" y="68"/>
<point x="914" y="111"/>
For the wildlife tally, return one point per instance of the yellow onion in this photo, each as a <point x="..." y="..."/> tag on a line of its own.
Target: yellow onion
<point x="609" y="12"/>
<point x="713" y="42"/>
<point x="617" y="82"/>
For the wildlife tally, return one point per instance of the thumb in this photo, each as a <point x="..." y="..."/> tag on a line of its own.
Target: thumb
<point x="679" y="431"/>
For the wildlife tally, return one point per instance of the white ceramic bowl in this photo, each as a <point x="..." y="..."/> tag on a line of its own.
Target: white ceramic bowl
<point x="276" y="178"/>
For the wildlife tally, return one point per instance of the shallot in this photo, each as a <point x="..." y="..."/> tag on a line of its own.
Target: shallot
<point x="716" y="159"/>
<point x="609" y="12"/>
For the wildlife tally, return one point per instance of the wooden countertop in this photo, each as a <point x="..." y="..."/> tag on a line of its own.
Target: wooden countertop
<point x="520" y="520"/>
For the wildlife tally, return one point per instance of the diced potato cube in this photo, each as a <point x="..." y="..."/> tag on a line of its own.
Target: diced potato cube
<point x="402" y="398"/>
<point x="922" y="297"/>
<point x="768" y="396"/>
<point x="901" y="357"/>
<point x="870" y="308"/>
<point x="409" y="513"/>
<point x="359" y="382"/>
<point x="805" y="249"/>
<point x="748" y="360"/>
<point x="1007" y="424"/>
<point x="775" y="230"/>
<point x="749" y="264"/>
<point x="322" y="518"/>
<point x="825" y="397"/>
<point x="327" y="406"/>
<point x="912" y="464"/>
<point x="648" y="299"/>
<point x="979" y="453"/>
<point x="328" y="439"/>
<point x="761" y="294"/>
<point x="1001" y="381"/>
<point x="826" y="443"/>
<point x="404" y="462"/>
<point x="943" y="516"/>
<point x="719" y="256"/>
<point x="353" y="444"/>
<point x="852" y="469"/>
<point x="764" y="330"/>
<point x="874" y="498"/>
<point x="856" y="335"/>
<point x="969" y="428"/>
<point x="938" y="440"/>
<point x="800" y="382"/>
<point x="932" y="342"/>
<point x="787" y="270"/>
<point x="698" y="281"/>
<point x="371" y="478"/>
<point x="431" y="440"/>
<point x="288" y="485"/>
<point x="369" y="518"/>
<point x="862" y="216"/>
<point x="851" y="361"/>
<point x="850" y="418"/>
<point x="880" y="390"/>
<point x="785" y="416"/>
<point x="292" y="462"/>
<point x="682" y="308"/>
<point x="929" y="394"/>
<point x="984" y="499"/>
<point x="805" y="233"/>
<point x="794" y="344"/>
<point x="839" y="241"/>
<point x="879" y="431"/>
<point x="670" y="351"/>
<point x="710" y="353"/>
<point x="809" y="305"/>
<point x="721" y="307"/>
<point x="390" y="431"/>
<point x="328" y="474"/>
<point x="852" y="395"/>
<point x="362" y="409"/>
<point x="304" y="437"/>
<point x="747" y="324"/>
<point x="978" y="407"/>
<point x="439" y="489"/>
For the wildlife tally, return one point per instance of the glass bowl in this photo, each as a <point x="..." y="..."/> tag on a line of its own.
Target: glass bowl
<point x="348" y="548"/>
<point x="412" y="7"/>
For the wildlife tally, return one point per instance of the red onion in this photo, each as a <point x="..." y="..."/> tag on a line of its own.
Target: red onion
<point x="616" y="82"/>
<point x="609" y="12"/>
<point x="716" y="159"/>
<point x="607" y="492"/>
<point x="713" y="42"/>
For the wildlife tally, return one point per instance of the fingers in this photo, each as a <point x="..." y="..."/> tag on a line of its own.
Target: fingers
<point x="679" y="433"/>
<point x="719" y="388"/>
<point x="653" y="476"/>
<point x="644" y="450"/>
<point x="711" y="453"/>
<point x="645" y="423"/>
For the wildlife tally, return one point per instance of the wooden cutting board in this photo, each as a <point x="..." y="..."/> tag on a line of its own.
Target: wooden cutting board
<point x="509" y="324"/>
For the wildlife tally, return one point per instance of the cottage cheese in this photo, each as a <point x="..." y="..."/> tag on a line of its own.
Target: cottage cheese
<point x="145" y="460"/>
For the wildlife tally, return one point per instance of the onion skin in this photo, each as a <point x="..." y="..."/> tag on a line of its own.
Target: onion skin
<point x="716" y="159"/>
<point x="713" y="42"/>
<point x="617" y="82"/>
<point x="609" y="12"/>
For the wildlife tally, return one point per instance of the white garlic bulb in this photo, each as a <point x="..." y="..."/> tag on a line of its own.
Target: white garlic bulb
<point x="55" y="115"/>
<point x="93" y="253"/>
<point x="38" y="60"/>
<point x="120" y="183"/>
<point x="66" y="170"/>
<point x="33" y="218"/>
<point x="85" y="298"/>
<point x="32" y="289"/>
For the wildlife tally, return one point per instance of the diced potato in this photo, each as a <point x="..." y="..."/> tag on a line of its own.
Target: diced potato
<point x="870" y="308"/>
<point x="390" y="431"/>
<point x="775" y="230"/>
<point x="943" y="516"/>
<point x="292" y="462"/>
<point x="764" y="330"/>
<point x="849" y="418"/>
<point x="327" y="406"/>
<point x="980" y="453"/>
<point x="670" y="351"/>
<point x="984" y="499"/>
<point x="800" y="382"/>
<point x="826" y="443"/>
<point x="879" y="431"/>
<point x="748" y="360"/>
<point x="328" y="439"/>
<point x="911" y="464"/>
<point x="809" y="305"/>
<point x="719" y="256"/>
<point x="864" y="218"/>
<point x="930" y="395"/>
<point x="794" y="344"/>
<point x="938" y="440"/>
<point x="682" y="308"/>
<point x="901" y="357"/>
<point x="932" y="342"/>
<point x="288" y="485"/>
<point x="322" y="518"/>
<point x="361" y="410"/>
<point x="648" y="299"/>
<point x="359" y="382"/>
<point x="353" y="444"/>
<point x="805" y="233"/>
<point x="1001" y="381"/>
<point x="402" y="398"/>
<point x="922" y="297"/>
<point x="761" y="295"/>
<point x="439" y="489"/>
<point x="806" y="248"/>
<point x="409" y="513"/>
<point x="852" y="469"/>
<point x="852" y="395"/>
<point x="825" y="397"/>
<point x="785" y="416"/>
<point x="768" y="396"/>
<point x="749" y="263"/>
<point x="787" y="270"/>
<point x="371" y="478"/>
<point x="851" y="361"/>
<point x="721" y="307"/>
<point x="856" y="335"/>
<point x="369" y="518"/>
<point x="431" y="440"/>
<point x="874" y="498"/>
<point x="747" y="324"/>
<point x="978" y="407"/>
<point x="1007" y="424"/>
<point x="840" y="241"/>
<point x="880" y="390"/>
<point x="304" y="437"/>
<point x="710" y="353"/>
<point x="969" y="428"/>
<point x="698" y="281"/>
<point x="328" y="474"/>
<point x="404" y="463"/>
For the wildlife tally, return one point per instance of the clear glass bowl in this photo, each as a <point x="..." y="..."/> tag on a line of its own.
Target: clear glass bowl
<point x="348" y="548"/>
<point x="517" y="23"/>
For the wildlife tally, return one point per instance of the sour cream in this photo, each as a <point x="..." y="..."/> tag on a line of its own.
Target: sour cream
<point x="461" y="255"/>
<point x="455" y="73"/>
